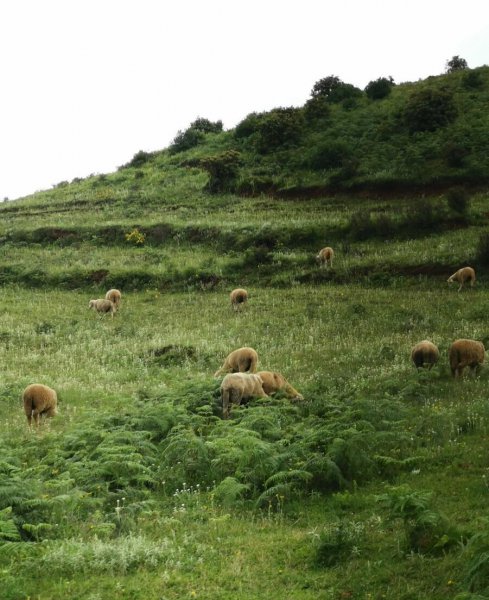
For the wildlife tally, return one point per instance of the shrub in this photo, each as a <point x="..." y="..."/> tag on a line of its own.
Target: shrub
<point x="425" y="529"/>
<point x="185" y="140"/>
<point x="330" y="155"/>
<point x="280" y="127"/>
<point x="428" y="109"/>
<point x="379" y="88"/>
<point x="223" y="170"/>
<point x="324" y="87"/>
<point x="206" y="126"/>
<point x="316" y="108"/>
<point x="139" y="159"/>
<point x="472" y="80"/>
<point x="334" y="90"/>
<point x="135" y="237"/>
<point x="247" y="126"/>
<point x="458" y="200"/>
<point x="456" y="63"/>
<point x="455" y="153"/>
<point x="338" y="542"/>
<point x="478" y="566"/>
<point x="482" y="252"/>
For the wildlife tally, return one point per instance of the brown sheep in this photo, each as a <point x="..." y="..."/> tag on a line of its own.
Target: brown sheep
<point x="425" y="353"/>
<point x="238" y="297"/>
<point x="465" y="353"/>
<point x="103" y="306"/>
<point x="240" y="360"/>
<point x="463" y="275"/>
<point x="39" y="400"/>
<point x="114" y="296"/>
<point x="273" y="382"/>
<point x="239" y="386"/>
<point x="325" y="257"/>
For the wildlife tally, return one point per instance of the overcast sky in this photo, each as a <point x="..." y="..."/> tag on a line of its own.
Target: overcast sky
<point x="85" y="84"/>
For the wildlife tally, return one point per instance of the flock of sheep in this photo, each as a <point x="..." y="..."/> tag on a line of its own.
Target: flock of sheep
<point x="242" y="381"/>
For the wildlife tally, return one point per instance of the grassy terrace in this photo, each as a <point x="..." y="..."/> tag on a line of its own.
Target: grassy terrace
<point x="375" y="486"/>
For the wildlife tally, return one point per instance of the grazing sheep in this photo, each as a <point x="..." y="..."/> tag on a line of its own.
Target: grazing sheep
<point x="462" y="276"/>
<point x="239" y="386"/>
<point x="273" y="382"/>
<point x="465" y="353"/>
<point x="425" y="353"/>
<point x="325" y="257"/>
<point x="240" y="360"/>
<point x="39" y="400"/>
<point x="238" y="297"/>
<point x="114" y="296"/>
<point x="103" y="306"/>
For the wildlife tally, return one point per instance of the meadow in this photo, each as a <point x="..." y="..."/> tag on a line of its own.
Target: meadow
<point x="376" y="484"/>
<point x="139" y="489"/>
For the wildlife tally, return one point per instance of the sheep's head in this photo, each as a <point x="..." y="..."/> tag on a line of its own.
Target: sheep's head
<point x="91" y="304"/>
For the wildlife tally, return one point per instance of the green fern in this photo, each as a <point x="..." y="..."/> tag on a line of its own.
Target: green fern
<point x="229" y="491"/>
<point x="8" y="528"/>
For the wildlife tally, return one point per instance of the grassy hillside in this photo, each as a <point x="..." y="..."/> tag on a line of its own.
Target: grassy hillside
<point x="375" y="486"/>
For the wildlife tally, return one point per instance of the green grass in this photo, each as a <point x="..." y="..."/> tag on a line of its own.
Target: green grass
<point x="375" y="486"/>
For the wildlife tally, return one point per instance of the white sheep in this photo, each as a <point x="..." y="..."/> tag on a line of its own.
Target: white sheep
<point x="236" y="387"/>
<point x="425" y="353"/>
<point x="39" y="400"/>
<point x="114" y="296"/>
<point x="239" y="297"/>
<point x="465" y="353"/>
<point x="240" y="360"/>
<point x="103" y="306"/>
<point x="462" y="276"/>
<point x="325" y="257"/>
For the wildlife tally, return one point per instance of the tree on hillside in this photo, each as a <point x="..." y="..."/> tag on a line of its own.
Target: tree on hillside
<point x="334" y="90"/>
<point x="281" y="127"/>
<point x="379" y="88"/>
<point x="456" y="63"/>
<point x="428" y="109"/>
<point x="206" y="126"/>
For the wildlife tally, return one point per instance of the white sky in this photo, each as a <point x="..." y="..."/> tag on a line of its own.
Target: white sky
<point x="85" y="84"/>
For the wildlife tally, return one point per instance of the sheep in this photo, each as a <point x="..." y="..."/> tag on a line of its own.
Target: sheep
<point x="465" y="353"/>
<point x="114" y="296"/>
<point x="103" y="306"/>
<point x="238" y="297"/>
<point x="325" y="257"/>
<point x="240" y="386"/>
<point x="39" y="400"/>
<point x="273" y="382"/>
<point x="425" y="353"/>
<point x="462" y="276"/>
<point x="240" y="360"/>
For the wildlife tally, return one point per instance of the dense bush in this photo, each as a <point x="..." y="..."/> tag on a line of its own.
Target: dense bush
<point x="330" y="155"/>
<point x="317" y="108"/>
<point x="278" y="128"/>
<point x="223" y="171"/>
<point x="379" y="88"/>
<point x="185" y="140"/>
<point x="206" y="126"/>
<point x="334" y="90"/>
<point x="247" y="126"/>
<point x="139" y="159"/>
<point x="458" y="200"/>
<point x="428" y="109"/>
<point x="456" y="63"/>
